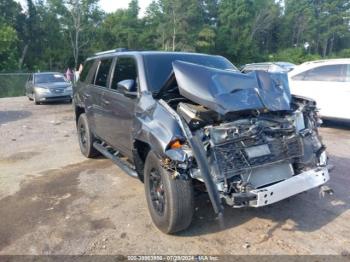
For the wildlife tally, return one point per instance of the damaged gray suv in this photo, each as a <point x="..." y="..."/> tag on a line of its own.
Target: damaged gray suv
<point x="179" y="121"/>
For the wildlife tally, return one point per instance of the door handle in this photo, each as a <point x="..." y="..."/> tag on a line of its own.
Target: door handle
<point x="106" y="102"/>
<point x="86" y="96"/>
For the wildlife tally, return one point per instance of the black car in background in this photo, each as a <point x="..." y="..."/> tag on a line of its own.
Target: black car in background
<point x="179" y="121"/>
<point x="48" y="87"/>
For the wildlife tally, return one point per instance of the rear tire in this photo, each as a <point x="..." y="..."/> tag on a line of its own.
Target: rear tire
<point x="170" y="201"/>
<point x="86" y="138"/>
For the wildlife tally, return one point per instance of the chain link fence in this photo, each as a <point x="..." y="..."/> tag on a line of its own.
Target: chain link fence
<point x="13" y="84"/>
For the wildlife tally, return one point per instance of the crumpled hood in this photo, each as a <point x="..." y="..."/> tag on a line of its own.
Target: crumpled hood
<point x="228" y="91"/>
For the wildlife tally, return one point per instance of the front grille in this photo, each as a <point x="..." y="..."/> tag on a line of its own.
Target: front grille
<point x="58" y="98"/>
<point x="232" y="159"/>
<point x="57" y="90"/>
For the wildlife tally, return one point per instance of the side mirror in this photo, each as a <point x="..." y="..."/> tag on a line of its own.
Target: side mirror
<point x="128" y="88"/>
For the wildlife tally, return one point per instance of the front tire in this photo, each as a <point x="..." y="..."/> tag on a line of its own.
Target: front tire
<point x="35" y="100"/>
<point x="86" y="138"/>
<point x="170" y="200"/>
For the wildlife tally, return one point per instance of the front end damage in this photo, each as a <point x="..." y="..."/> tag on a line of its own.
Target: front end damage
<point x="244" y="136"/>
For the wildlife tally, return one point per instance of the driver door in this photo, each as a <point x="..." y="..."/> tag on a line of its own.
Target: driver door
<point x="119" y="109"/>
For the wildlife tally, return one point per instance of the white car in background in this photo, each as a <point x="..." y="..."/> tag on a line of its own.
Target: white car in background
<point x="327" y="82"/>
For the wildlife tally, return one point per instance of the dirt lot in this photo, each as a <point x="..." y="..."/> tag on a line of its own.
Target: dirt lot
<point x="54" y="201"/>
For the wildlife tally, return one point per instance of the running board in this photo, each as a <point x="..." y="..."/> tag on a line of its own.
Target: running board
<point x="116" y="160"/>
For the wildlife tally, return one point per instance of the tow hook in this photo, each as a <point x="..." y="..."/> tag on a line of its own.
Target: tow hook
<point x="326" y="190"/>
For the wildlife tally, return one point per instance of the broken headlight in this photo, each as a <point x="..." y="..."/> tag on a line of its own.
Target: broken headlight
<point x="221" y="134"/>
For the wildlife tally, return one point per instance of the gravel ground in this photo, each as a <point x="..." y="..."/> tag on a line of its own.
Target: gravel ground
<point x="54" y="201"/>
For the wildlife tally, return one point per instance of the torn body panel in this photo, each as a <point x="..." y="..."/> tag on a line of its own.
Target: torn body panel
<point x="238" y="139"/>
<point x="154" y="125"/>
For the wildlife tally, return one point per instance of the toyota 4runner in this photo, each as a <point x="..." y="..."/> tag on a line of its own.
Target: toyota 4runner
<point x="175" y="120"/>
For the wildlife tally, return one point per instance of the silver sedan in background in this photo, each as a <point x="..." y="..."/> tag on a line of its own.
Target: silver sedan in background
<point x="48" y="87"/>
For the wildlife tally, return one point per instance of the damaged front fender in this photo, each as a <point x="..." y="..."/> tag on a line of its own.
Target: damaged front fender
<point x="154" y="125"/>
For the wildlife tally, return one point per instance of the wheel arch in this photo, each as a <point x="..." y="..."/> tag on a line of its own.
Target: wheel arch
<point x="140" y="152"/>
<point x="78" y="111"/>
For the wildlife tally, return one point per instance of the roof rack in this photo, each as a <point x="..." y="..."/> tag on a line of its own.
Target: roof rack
<point x="112" y="51"/>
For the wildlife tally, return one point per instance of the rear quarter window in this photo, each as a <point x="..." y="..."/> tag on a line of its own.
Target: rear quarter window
<point x="327" y="73"/>
<point x="347" y="79"/>
<point x="86" y="69"/>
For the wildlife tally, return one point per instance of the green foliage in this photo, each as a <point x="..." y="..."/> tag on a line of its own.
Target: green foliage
<point x="55" y="34"/>
<point x="121" y="29"/>
<point x="8" y="52"/>
<point x="345" y="53"/>
<point x="293" y="55"/>
<point x="206" y="40"/>
<point x="12" y="84"/>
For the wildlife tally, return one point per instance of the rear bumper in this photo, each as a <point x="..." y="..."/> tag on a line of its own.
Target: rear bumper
<point x="289" y="187"/>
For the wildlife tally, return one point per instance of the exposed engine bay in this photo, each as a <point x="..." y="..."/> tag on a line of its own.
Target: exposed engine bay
<point x="252" y="151"/>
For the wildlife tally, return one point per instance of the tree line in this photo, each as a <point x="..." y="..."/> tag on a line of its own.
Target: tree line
<point x="55" y="34"/>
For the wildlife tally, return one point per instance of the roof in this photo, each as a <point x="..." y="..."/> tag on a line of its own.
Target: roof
<point x="311" y="64"/>
<point x="328" y="61"/>
<point x="131" y="52"/>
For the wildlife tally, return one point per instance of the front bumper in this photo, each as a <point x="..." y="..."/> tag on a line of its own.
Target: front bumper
<point x="289" y="187"/>
<point x="63" y="96"/>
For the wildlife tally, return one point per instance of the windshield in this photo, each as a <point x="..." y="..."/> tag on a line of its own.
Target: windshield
<point x="49" y="78"/>
<point x="159" y="66"/>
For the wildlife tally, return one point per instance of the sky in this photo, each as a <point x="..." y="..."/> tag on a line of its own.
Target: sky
<point x="112" y="5"/>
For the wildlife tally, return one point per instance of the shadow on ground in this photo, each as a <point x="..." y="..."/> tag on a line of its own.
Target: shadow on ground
<point x="308" y="211"/>
<point x="11" y="116"/>
<point x="336" y="124"/>
<point x="44" y="200"/>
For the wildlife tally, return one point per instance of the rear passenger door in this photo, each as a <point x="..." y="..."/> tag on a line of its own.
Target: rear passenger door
<point x="96" y="91"/>
<point x="119" y="108"/>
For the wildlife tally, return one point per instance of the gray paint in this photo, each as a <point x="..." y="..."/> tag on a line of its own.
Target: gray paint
<point x="154" y="124"/>
<point x="120" y="120"/>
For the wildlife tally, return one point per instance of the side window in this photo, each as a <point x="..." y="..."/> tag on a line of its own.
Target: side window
<point x="125" y="69"/>
<point x="347" y="79"/>
<point x="103" y="71"/>
<point x="333" y="73"/>
<point x="86" y="70"/>
<point x="300" y="76"/>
